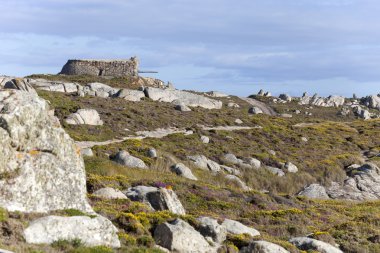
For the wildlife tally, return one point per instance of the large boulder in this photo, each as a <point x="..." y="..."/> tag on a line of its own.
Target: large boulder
<point x="99" y="90"/>
<point x="314" y="191"/>
<point x="40" y="166"/>
<point x="109" y="193"/>
<point x="204" y="163"/>
<point x="179" y="236"/>
<point x="183" y="171"/>
<point x="210" y="227"/>
<point x="84" y="117"/>
<point x="92" y="231"/>
<point x="187" y="98"/>
<point x="16" y="84"/>
<point x="372" y="101"/>
<point x="263" y="247"/>
<point x="237" y="228"/>
<point x="363" y="183"/>
<point x="156" y="198"/>
<point x="308" y="244"/>
<point x="130" y="95"/>
<point x="125" y="159"/>
<point x="234" y="179"/>
<point x="255" y="110"/>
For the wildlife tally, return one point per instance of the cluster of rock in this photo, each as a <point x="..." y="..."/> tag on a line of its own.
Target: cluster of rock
<point x="361" y="184"/>
<point x="42" y="170"/>
<point x="263" y="93"/>
<point x="331" y="101"/>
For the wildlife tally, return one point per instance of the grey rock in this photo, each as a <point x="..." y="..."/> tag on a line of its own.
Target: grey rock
<point x="211" y="228"/>
<point x="16" y="84"/>
<point x="205" y="139"/>
<point x="156" y="198"/>
<point x="84" y="117"/>
<point x="109" y="193"/>
<point x="305" y="243"/>
<point x="87" y="152"/>
<point x="290" y="167"/>
<point x="183" y="171"/>
<point x="182" y="107"/>
<point x="100" y="89"/>
<point x="285" y="97"/>
<point x="179" y="236"/>
<point x="238" y="121"/>
<point x="275" y="171"/>
<point x="286" y="115"/>
<point x="372" y="101"/>
<point x="130" y="95"/>
<point x="256" y="164"/>
<point x="304" y="139"/>
<point x="314" y="191"/>
<point x="125" y="159"/>
<point x="152" y="153"/>
<point x="255" y="110"/>
<point x="237" y="228"/>
<point x="91" y="231"/>
<point x="230" y="170"/>
<point x="204" y="163"/>
<point x="233" y="105"/>
<point x="187" y="98"/>
<point x="238" y="182"/>
<point x="230" y="159"/>
<point x="261" y="93"/>
<point x="263" y="247"/>
<point x="216" y="94"/>
<point x="45" y="168"/>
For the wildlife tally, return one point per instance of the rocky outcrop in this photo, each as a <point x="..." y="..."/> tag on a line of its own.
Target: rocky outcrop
<point x="372" y="101"/>
<point x="56" y="86"/>
<point x="130" y="95"/>
<point x="255" y="110"/>
<point x="314" y="191"/>
<point x="285" y="97"/>
<point x="41" y="168"/>
<point x="84" y="117"/>
<point x="125" y="159"/>
<point x="187" y="98"/>
<point x="237" y="228"/>
<point x="363" y="183"/>
<point x="263" y="247"/>
<point x="156" y="198"/>
<point x="109" y="193"/>
<point x="181" y="170"/>
<point x="179" y="236"/>
<point x="362" y="113"/>
<point x="211" y="228"/>
<point x="331" y="101"/>
<point x="216" y="94"/>
<point x="16" y="84"/>
<point x="290" y="167"/>
<point x="308" y="244"/>
<point x="92" y="231"/>
<point x="204" y="163"/>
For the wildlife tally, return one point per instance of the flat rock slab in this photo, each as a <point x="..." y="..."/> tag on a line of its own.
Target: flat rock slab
<point x="91" y="231"/>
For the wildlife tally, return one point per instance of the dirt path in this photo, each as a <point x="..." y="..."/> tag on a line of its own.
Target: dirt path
<point x="265" y="108"/>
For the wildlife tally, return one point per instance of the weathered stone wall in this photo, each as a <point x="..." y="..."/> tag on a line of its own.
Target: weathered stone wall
<point x="101" y="67"/>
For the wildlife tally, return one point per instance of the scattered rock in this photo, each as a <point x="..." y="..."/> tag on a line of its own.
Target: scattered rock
<point x="205" y="139"/>
<point x="238" y="121"/>
<point x="91" y="231"/>
<point x="44" y="168"/>
<point x="305" y="243"/>
<point x="87" y="152"/>
<point x="275" y="171"/>
<point x="238" y="182"/>
<point x="372" y="101"/>
<point x="156" y="198"/>
<point x="130" y="95"/>
<point x="204" y="163"/>
<point x="211" y="228"/>
<point x="84" y="117"/>
<point x="179" y="236"/>
<point x="152" y="153"/>
<point x="272" y="152"/>
<point x="314" y="191"/>
<point x="331" y="101"/>
<point x="255" y="110"/>
<point x="109" y="193"/>
<point x="237" y="228"/>
<point x="187" y="98"/>
<point x="263" y="247"/>
<point x="183" y="171"/>
<point x="125" y="159"/>
<point x="290" y="167"/>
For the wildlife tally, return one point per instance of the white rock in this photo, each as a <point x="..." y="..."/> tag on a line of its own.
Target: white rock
<point x="125" y="159"/>
<point x="233" y="105"/>
<point x="152" y="153"/>
<point x="203" y="162"/>
<point x="205" y="139"/>
<point x="290" y="167"/>
<point x="109" y="193"/>
<point x="256" y="164"/>
<point x="44" y="167"/>
<point x="238" y="121"/>
<point x="237" y="228"/>
<point x="275" y="171"/>
<point x="314" y="191"/>
<point x="130" y="95"/>
<point x="255" y="110"/>
<point x="182" y="107"/>
<point x="87" y="152"/>
<point x="216" y="94"/>
<point x="84" y="117"/>
<point x="91" y="231"/>
<point x="183" y="171"/>
<point x="211" y="228"/>
<point x="263" y="247"/>
<point x="306" y="243"/>
<point x="179" y="236"/>
<point x="238" y="182"/>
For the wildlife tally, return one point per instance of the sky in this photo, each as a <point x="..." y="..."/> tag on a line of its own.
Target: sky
<point x="237" y="47"/>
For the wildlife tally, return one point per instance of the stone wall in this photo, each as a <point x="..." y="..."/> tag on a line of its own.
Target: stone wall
<point x="102" y="67"/>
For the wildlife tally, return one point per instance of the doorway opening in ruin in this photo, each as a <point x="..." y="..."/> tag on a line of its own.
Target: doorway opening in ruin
<point x="100" y="72"/>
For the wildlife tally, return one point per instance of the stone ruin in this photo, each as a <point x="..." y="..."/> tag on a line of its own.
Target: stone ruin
<point x="115" y="68"/>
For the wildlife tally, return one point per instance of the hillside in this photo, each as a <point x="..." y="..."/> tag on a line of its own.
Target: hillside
<point x="250" y="166"/>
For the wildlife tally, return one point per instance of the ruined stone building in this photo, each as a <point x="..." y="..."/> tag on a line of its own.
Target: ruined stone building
<point x="116" y="68"/>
